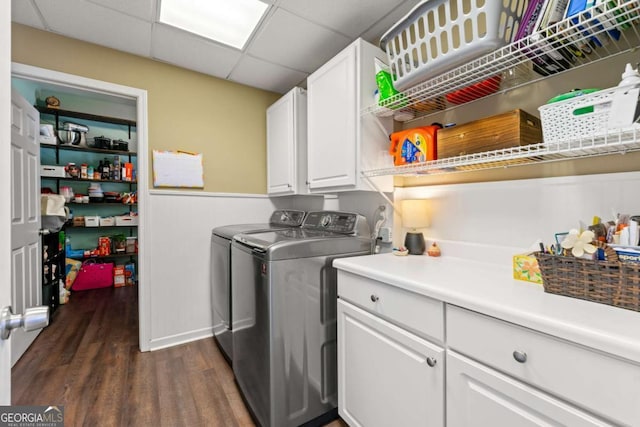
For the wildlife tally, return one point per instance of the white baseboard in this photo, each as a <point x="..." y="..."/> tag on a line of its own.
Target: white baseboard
<point x="183" y="338"/>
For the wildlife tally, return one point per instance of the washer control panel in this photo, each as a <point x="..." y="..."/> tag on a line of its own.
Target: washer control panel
<point x="337" y="222"/>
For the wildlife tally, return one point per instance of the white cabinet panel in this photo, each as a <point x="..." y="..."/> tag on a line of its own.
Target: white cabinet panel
<point x="341" y="141"/>
<point x="606" y="385"/>
<point x="386" y="376"/>
<point x="418" y="314"/>
<point x="287" y="144"/>
<point x="478" y="396"/>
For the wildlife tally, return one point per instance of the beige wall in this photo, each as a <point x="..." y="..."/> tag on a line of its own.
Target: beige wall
<point x="187" y="110"/>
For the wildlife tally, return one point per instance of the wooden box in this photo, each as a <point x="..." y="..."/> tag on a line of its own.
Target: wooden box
<point x="506" y="130"/>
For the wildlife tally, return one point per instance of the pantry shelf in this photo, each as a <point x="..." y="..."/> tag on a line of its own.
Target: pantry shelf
<point x="86" y="116"/>
<point x="621" y="141"/>
<point x="87" y="149"/>
<point x="583" y="39"/>
<point x="106" y="257"/>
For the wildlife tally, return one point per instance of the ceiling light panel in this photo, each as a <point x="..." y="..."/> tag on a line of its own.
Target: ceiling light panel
<point x="230" y="22"/>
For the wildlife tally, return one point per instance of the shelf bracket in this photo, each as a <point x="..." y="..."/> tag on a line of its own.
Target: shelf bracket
<point x="378" y="122"/>
<point x="373" y="185"/>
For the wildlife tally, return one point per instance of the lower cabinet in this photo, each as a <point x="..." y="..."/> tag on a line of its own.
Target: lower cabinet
<point x="397" y="350"/>
<point x="387" y="376"/>
<point x="480" y="396"/>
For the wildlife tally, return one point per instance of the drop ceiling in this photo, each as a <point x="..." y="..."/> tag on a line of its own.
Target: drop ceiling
<point x="293" y="39"/>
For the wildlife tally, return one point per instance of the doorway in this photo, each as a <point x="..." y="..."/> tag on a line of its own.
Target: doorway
<point x="122" y="98"/>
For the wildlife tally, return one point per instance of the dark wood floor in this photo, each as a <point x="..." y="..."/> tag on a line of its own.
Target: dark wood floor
<point x="88" y="360"/>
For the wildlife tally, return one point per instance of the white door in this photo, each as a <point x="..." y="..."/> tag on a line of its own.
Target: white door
<point x="5" y="192"/>
<point x="332" y="122"/>
<point x="26" y="253"/>
<point x="386" y="376"/>
<point x="281" y="154"/>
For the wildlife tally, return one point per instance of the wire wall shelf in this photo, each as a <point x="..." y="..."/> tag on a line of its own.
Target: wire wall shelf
<point x="593" y="35"/>
<point x="620" y="141"/>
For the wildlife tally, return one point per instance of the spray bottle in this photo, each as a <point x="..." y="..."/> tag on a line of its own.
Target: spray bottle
<point x="630" y="77"/>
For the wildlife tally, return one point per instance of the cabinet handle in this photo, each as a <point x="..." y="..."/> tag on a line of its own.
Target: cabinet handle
<point x="431" y="361"/>
<point x="374" y="298"/>
<point x="520" y="356"/>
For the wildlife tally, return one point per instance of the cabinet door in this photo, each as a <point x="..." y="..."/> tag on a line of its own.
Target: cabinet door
<point x="281" y="146"/>
<point x="479" y="396"/>
<point x="332" y="123"/>
<point x="386" y="376"/>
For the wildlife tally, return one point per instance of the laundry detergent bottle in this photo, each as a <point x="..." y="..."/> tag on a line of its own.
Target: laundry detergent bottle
<point x="414" y="145"/>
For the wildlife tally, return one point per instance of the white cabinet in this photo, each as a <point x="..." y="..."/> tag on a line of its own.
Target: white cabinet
<point x="390" y="362"/>
<point x="341" y="142"/>
<point x="480" y="396"/>
<point x="287" y="144"/>
<point x="386" y="375"/>
<point x="604" y="385"/>
<point x="408" y="358"/>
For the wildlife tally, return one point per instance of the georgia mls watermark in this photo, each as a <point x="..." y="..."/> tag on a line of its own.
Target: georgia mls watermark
<point x="31" y="416"/>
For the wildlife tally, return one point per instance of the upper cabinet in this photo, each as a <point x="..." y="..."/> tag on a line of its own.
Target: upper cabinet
<point x="342" y="142"/>
<point x="287" y="144"/>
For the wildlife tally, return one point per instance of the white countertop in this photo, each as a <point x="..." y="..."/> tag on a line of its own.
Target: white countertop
<point x="491" y="290"/>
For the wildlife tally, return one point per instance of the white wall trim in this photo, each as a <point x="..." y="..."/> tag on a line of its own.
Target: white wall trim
<point x="183" y="338"/>
<point x="140" y="96"/>
<point x="5" y="192"/>
<point x="174" y="193"/>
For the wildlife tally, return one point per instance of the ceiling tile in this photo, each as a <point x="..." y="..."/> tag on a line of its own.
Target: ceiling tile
<point x="291" y="41"/>
<point x="89" y="22"/>
<point x="387" y="21"/>
<point x="23" y="12"/>
<point x="193" y="52"/>
<point x="143" y="9"/>
<point x="270" y="77"/>
<point x="350" y="18"/>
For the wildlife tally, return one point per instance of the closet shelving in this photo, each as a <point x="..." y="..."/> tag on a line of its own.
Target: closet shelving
<point x="514" y="64"/>
<point x="92" y="154"/>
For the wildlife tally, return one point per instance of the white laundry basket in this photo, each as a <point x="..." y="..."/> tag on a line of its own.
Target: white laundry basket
<point x="438" y="35"/>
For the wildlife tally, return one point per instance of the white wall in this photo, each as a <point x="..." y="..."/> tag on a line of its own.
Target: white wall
<point x="497" y="219"/>
<point x="178" y="250"/>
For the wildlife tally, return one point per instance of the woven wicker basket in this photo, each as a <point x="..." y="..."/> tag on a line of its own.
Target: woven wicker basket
<point x="609" y="282"/>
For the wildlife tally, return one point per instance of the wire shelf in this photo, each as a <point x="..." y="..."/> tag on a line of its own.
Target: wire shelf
<point x="588" y="37"/>
<point x="619" y="141"/>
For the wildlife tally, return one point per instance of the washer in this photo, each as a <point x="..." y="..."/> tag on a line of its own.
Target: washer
<point x="284" y="316"/>
<point x="221" y="270"/>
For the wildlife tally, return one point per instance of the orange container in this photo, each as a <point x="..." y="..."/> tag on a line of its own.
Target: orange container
<point x="119" y="278"/>
<point x="414" y="145"/>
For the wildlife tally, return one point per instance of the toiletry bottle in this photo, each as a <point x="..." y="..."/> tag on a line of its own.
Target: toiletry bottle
<point x="630" y="77"/>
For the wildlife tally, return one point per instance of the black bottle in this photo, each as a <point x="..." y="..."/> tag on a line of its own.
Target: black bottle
<point x="105" y="169"/>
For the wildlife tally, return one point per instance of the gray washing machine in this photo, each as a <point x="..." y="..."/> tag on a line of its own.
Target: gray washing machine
<point x="221" y="270"/>
<point x="284" y="316"/>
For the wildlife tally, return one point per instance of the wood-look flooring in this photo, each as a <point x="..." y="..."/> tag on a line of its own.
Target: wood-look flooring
<point x="88" y="360"/>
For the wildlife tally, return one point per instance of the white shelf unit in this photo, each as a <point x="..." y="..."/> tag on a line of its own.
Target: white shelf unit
<point x="514" y="63"/>
<point x="621" y="141"/>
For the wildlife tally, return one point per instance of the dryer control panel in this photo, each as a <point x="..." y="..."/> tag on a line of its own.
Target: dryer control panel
<point x="337" y="222"/>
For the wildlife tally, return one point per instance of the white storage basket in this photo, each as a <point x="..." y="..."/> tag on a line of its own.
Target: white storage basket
<point x="584" y="116"/>
<point x="438" y="35"/>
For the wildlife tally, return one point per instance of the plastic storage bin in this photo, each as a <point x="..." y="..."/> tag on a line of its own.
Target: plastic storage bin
<point x="584" y="116"/>
<point x="438" y="35"/>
